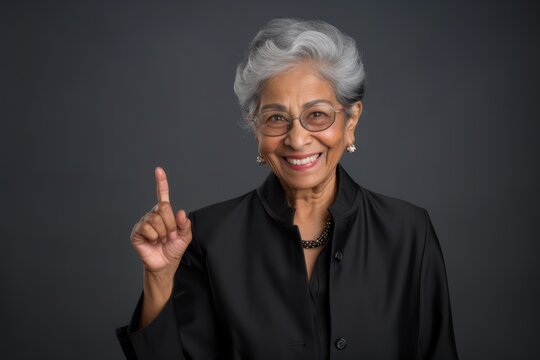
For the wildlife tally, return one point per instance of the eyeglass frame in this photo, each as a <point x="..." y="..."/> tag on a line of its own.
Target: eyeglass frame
<point x="290" y="119"/>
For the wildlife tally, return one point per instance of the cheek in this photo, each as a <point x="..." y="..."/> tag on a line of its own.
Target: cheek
<point x="334" y="139"/>
<point x="268" y="145"/>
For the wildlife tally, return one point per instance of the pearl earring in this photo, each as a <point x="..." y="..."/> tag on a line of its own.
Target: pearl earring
<point x="350" y="148"/>
<point x="260" y="160"/>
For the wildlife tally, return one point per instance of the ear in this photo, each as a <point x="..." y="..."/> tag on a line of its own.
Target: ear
<point x="356" y="111"/>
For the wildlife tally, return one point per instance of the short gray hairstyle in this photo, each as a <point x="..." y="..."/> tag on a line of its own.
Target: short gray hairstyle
<point x="282" y="43"/>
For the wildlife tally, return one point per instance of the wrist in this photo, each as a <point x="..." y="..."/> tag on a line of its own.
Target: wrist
<point x="158" y="285"/>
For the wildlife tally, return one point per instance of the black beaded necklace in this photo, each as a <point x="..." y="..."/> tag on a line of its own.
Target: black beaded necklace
<point x="323" y="237"/>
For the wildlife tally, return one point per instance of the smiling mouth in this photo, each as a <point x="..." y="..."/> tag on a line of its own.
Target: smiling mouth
<point x="303" y="161"/>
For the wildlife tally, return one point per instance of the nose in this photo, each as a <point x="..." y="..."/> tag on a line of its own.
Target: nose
<point x="297" y="137"/>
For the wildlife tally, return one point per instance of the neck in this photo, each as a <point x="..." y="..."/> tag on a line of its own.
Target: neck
<point x="308" y="202"/>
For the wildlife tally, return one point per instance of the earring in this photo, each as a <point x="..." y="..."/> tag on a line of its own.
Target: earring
<point x="260" y="160"/>
<point x="350" y="148"/>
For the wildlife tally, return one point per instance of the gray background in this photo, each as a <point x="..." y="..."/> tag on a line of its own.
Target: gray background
<point x="95" y="94"/>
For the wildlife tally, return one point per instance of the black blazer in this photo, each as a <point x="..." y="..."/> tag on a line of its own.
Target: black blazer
<point x="241" y="291"/>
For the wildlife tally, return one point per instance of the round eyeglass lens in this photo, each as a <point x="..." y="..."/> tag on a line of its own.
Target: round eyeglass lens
<point x="318" y="118"/>
<point x="315" y="118"/>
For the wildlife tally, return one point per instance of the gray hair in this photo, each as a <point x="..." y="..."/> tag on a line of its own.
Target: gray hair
<point x="283" y="43"/>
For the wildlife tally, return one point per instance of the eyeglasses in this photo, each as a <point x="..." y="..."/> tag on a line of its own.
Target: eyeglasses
<point x="315" y="118"/>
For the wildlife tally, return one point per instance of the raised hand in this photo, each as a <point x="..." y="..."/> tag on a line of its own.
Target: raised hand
<point x="160" y="238"/>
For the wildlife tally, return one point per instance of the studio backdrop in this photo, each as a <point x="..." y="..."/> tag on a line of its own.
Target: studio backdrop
<point x="95" y="94"/>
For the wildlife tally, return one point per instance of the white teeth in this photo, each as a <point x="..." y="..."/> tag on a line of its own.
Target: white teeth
<point x="303" y="161"/>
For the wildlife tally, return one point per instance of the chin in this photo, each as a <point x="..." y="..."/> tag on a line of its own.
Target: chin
<point x="303" y="182"/>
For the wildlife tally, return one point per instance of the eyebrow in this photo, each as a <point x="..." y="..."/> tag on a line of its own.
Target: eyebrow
<point x="281" y="107"/>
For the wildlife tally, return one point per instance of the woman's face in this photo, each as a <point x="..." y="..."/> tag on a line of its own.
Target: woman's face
<point x="321" y="151"/>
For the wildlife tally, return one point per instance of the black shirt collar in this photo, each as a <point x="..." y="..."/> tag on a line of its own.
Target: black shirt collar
<point x="273" y="197"/>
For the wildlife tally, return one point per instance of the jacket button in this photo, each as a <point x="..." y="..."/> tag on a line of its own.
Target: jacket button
<point x="341" y="343"/>
<point x="338" y="256"/>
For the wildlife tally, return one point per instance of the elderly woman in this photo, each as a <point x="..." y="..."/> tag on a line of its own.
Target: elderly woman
<point x="309" y="265"/>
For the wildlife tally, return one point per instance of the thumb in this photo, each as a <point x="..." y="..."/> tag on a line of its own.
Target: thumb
<point x="183" y="224"/>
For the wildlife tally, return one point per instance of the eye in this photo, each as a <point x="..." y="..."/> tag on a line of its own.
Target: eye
<point x="317" y="115"/>
<point x="275" y="118"/>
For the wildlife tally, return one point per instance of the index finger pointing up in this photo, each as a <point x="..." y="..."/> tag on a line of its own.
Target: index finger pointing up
<point x="162" y="186"/>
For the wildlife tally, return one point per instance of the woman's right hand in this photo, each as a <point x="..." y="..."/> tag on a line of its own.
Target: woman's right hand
<point x="160" y="238"/>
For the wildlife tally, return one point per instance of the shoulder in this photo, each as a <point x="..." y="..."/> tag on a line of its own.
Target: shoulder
<point x="392" y="210"/>
<point x="234" y="209"/>
<point x="222" y="208"/>
<point x="396" y="223"/>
